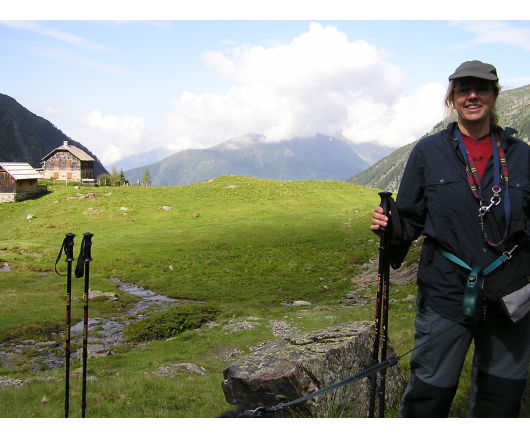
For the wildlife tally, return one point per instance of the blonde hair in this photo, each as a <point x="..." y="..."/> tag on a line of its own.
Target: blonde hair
<point x="449" y="99"/>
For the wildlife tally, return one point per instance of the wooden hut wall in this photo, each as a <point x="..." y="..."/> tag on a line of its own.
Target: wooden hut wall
<point x="7" y="183"/>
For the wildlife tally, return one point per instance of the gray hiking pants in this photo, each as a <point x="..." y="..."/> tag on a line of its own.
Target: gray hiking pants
<point x="500" y="366"/>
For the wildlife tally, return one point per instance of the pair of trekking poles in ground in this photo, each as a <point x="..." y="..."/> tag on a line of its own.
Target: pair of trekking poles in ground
<point x="82" y="269"/>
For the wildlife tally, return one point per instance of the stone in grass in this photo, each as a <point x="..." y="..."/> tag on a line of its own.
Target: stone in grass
<point x="111" y="296"/>
<point x="94" y="351"/>
<point x="185" y="367"/>
<point x="354" y="298"/>
<point x="286" y="369"/>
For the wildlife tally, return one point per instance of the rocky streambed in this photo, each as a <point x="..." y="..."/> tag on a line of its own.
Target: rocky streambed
<point x="103" y="333"/>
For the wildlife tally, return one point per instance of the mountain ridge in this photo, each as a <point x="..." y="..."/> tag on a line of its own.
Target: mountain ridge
<point x="318" y="157"/>
<point x="27" y="137"/>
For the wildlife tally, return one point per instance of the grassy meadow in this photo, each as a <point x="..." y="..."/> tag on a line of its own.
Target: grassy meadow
<point x="241" y="245"/>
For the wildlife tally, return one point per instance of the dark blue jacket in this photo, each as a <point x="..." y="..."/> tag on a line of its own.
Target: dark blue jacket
<point x="436" y="201"/>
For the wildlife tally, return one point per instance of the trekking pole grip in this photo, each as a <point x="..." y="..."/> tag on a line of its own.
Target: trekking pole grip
<point x="69" y="246"/>
<point x="385" y="205"/>
<point x="88" y="246"/>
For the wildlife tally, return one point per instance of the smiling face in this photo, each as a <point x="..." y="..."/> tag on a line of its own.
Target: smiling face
<point x="473" y="100"/>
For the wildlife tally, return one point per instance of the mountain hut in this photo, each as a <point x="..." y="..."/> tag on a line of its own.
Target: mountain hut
<point x="69" y="163"/>
<point x="18" y="181"/>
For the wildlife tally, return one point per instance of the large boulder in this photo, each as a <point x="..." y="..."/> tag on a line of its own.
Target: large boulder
<point x="299" y="364"/>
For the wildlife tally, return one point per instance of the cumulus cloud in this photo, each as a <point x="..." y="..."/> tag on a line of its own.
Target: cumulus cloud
<point x="406" y="119"/>
<point x="320" y="81"/>
<point x="120" y="135"/>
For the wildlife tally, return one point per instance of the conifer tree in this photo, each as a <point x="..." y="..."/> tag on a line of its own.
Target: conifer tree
<point x="146" y="179"/>
<point x="121" y="177"/>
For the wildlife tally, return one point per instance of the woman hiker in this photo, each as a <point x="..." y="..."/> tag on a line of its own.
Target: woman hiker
<point x="448" y="176"/>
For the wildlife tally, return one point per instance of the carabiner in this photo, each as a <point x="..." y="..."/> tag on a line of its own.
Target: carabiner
<point x="509" y="253"/>
<point x="495" y="200"/>
<point x="483" y="210"/>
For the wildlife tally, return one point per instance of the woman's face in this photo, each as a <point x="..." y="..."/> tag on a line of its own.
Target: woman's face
<point x="473" y="99"/>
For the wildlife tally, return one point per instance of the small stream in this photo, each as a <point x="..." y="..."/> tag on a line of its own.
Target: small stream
<point x="102" y="332"/>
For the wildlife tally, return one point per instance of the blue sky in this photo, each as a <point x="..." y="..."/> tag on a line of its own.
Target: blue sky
<point x="183" y="80"/>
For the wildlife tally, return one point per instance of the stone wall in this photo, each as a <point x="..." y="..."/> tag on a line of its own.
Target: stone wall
<point x="63" y="175"/>
<point x="63" y="165"/>
<point x="7" y="197"/>
<point x="17" y="197"/>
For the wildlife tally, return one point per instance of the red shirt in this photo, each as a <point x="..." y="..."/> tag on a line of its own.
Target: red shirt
<point x="479" y="150"/>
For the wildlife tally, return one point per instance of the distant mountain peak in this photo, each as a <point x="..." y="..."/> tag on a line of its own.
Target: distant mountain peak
<point x="321" y="156"/>
<point x="241" y="142"/>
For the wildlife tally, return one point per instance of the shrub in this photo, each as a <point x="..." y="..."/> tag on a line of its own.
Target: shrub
<point x="168" y="323"/>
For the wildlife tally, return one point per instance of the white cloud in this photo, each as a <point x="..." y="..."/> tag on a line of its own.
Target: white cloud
<point x="52" y="110"/>
<point x="69" y="58"/>
<point x="66" y="37"/>
<point x="128" y="126"/>
<point x="515" y="81"/>
<point x="405" y="120"/>
<point x="119" y="135"/>
<point x="490" y="32"/>
<point x="66" y="55"/>
<point x="318" y="82"/>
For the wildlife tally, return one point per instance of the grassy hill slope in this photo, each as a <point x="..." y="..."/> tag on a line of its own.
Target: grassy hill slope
<point x="237" y="225"/>
<point x="243" y="245"/>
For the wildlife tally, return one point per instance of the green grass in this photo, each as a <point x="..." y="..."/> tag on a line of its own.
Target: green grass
<point x="240" y="245"/>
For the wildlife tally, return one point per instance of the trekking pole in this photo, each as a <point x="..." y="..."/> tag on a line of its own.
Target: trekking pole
<point x="68" y="246"/>
<point x="83" y="261"/>
<point x="381" y="308"/>
<point x="384" y="322"/>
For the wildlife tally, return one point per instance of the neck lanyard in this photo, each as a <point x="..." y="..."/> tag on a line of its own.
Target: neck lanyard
<point x="499" y="162"/>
